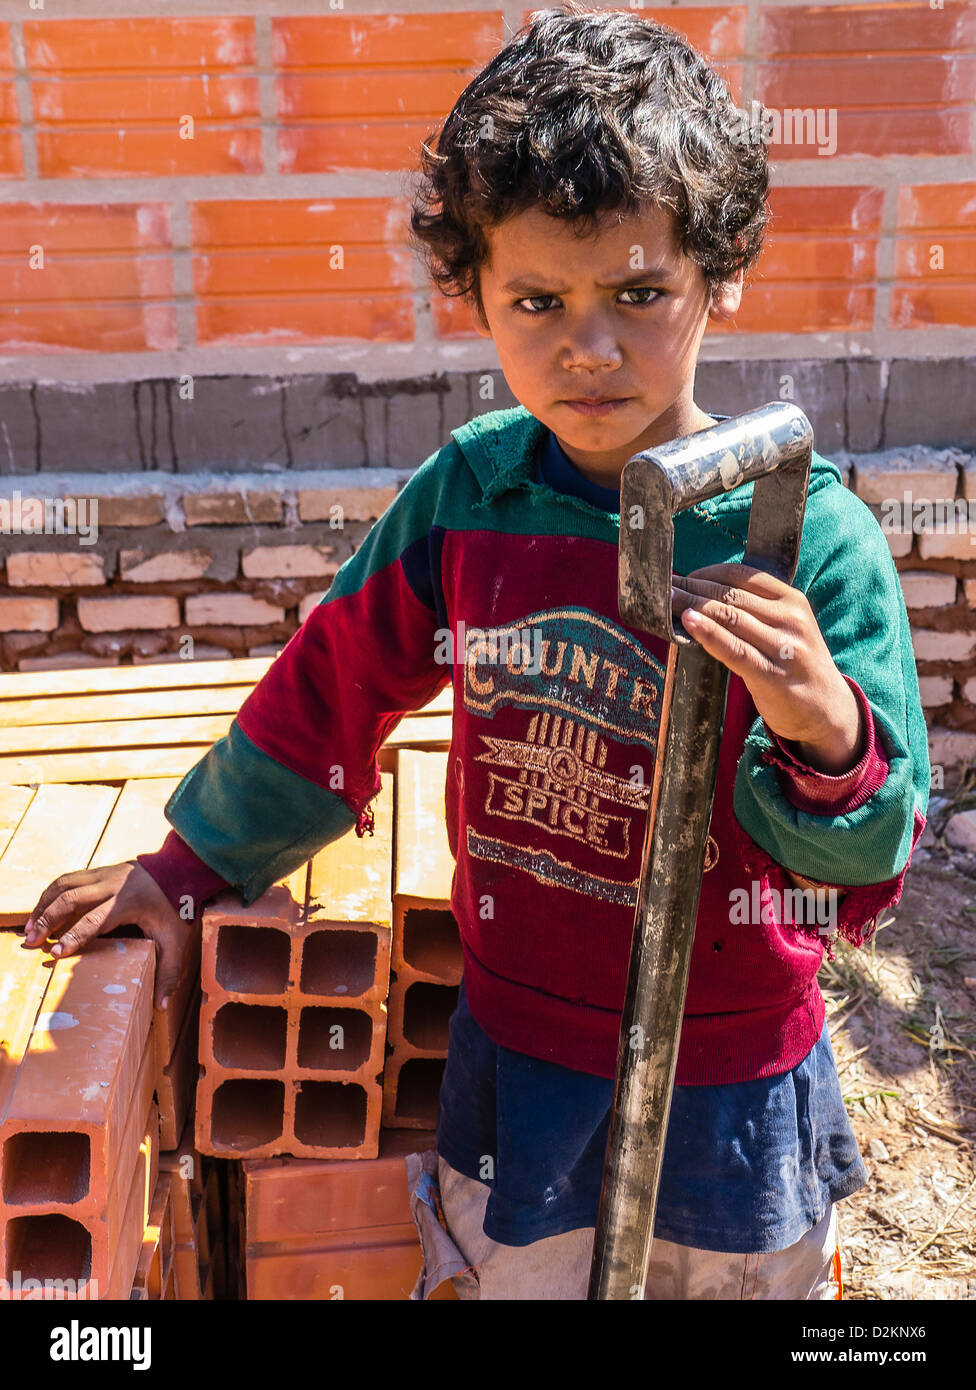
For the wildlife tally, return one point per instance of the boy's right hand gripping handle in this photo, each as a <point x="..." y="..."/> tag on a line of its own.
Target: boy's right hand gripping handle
<point x="770" y="447"/>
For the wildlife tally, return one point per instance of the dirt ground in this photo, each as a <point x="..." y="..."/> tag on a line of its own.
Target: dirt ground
<point x="902" y="1019"/>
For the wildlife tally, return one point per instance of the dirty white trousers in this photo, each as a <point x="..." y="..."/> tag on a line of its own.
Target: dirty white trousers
<point x="558" y="1267"/>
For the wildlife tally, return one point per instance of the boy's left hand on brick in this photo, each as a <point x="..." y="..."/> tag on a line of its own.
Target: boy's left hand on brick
<point x="765" y="632"/>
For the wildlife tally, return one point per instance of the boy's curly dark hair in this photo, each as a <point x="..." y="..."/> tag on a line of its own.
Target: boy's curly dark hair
<point x="587" y="112"/>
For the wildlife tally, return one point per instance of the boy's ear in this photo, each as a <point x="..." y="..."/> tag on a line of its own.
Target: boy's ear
<point x="726" y="298"/>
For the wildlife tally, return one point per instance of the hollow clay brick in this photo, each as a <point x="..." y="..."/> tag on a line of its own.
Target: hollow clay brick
<point x="291" y="1199"/>
<point x="411" y="1090"/>
<point x="78" y="1078"/>
<point x="419" y="1016"/>
<point x="53" y="1245"/>
<point x="192" y="1229"/>
<point x="427" y="968"/>
<point x="382" y="1264"/>
<point x="317" y="1042"/>
<point x="263" y="1116"/>
<point x="426" y="942"/>
<point x="293" y="1019"/>
<point x="186" y="1272"/>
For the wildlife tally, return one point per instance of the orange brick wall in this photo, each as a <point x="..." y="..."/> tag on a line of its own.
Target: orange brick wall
<point x="181" y="182"/>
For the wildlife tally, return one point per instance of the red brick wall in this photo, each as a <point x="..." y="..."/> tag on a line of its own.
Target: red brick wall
<point x="100" y="178"/>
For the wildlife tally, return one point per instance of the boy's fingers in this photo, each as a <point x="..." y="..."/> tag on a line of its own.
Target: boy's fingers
<point x="169" y="966"/>
<point x="734" y="572"/>
<point x="100" y="919"/>
<point x="60" y="909"/>
<point x="743" y="628"/>
<point x="54" y="890"/>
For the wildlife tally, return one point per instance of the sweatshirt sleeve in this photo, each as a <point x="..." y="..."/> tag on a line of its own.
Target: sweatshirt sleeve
<point x="297" y="768"/>
<point x="850" y="580"/>
<point x="181" y="874"/>
<point x="827" y="794"/>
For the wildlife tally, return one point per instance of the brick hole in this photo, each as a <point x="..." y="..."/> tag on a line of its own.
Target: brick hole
<point x="250" y="1036"/>
<point x="431" y="942"/>
<point x="46" y="1168"/>
<point x="427" y="1012"/>
<point x="339" y="962"/>
<point x="317" y="1042"/>
<point x="253" y="960"/>
<point x="330" y="1115"/>
<point x="247" y="1112"/>
<point x="419" y="1089"/>
<point x="48" y="1247"/>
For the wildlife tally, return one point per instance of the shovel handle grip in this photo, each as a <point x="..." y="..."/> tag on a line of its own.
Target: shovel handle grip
<point x="770" y="447"/>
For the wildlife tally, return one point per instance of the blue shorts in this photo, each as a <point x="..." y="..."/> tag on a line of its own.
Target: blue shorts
<point x="748" y="1167"/>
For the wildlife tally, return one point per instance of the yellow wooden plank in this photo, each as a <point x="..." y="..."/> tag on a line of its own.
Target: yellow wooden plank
<point x="24" y="978"/>
<point x="351" y="880"/>
<point x="57" y="835"/>
<point x="110" y="765"/>
<point x="107" y="758"/>
<point x="424" y="865"/>
<point x="442" y="703"/>
<point x="150" y="704"/>
<point x="422" y="731"/>
<point x="20" y="685"/>
<point x="137" y="825"/>
<point x="14" y="801"/>
<point x="107" y="733"/>
<point x="117" y="705"/>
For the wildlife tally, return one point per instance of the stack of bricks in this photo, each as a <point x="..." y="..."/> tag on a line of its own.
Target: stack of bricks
<point x="79" y="1128"/>
<point x="122" y="1129"/>
<point x="296" y="1070"/>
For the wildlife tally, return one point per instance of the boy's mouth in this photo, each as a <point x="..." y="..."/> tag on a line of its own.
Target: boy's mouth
<point x="606" y="406"/>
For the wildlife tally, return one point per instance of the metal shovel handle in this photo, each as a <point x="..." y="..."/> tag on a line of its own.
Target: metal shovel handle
<point x="770" y="447"/>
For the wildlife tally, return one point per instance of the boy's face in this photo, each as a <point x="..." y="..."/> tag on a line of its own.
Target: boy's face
<point x="560" y="336"/>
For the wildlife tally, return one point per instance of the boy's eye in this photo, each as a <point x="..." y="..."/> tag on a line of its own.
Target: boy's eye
<point x="632" y="289"/>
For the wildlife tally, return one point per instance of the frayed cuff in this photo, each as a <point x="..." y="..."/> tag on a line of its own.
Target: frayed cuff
<point x="857" y="912"/>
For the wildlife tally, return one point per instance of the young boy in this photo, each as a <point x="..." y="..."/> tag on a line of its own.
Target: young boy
<point x="592" y="194"/>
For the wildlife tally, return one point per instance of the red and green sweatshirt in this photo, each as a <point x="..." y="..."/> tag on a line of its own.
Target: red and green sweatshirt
<point x="482" y="575"/>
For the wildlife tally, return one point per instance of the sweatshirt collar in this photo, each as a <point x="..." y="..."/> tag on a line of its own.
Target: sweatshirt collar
<point x="500" y="448"/>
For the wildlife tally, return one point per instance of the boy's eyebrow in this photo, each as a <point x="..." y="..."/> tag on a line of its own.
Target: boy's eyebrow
<point x="524" y="283"/>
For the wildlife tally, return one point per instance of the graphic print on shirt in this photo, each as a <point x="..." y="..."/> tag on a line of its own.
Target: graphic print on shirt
<point x="585" y="684"/>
